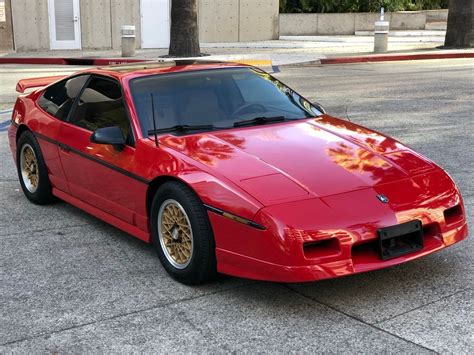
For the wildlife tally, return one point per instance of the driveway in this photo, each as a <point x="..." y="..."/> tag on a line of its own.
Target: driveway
<point x="71" y="283"/>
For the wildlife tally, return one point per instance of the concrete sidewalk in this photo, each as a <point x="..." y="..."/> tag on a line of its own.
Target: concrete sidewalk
<point x="286" y="50"/>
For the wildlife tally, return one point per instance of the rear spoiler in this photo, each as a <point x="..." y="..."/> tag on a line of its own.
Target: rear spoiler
<point x="25" y="84"/>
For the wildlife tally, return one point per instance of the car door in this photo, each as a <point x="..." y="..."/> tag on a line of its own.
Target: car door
<point x="99" y="174"/>
<point x="52" y="108"/>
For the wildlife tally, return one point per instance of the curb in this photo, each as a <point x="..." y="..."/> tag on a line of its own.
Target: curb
<point x="392" y="58"/>
<point x="68" y="61"/>
<point x="256" y="62"/>
<point x="104" y="61"/>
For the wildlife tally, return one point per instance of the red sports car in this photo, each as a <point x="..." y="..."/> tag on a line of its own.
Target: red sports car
<point x="226" y="169"/>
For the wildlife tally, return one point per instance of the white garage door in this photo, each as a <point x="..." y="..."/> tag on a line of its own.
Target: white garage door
<point x="155" y="23"/>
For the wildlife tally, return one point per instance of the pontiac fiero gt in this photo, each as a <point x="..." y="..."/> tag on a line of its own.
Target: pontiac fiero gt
<point x="226" y="169"/>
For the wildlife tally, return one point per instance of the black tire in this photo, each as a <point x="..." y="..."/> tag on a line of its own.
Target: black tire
<point x="42" y="194"/>
<point x="201" y="265"/>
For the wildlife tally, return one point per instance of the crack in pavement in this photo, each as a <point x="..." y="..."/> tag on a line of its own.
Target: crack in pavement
<point x="30" y="232"/>
<point x="359" y="319"/>
<point x="117" y="316"/>
<point x="424" y="305"/>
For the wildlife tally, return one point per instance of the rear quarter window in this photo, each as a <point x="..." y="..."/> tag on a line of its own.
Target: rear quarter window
<point x="57" y="99"/>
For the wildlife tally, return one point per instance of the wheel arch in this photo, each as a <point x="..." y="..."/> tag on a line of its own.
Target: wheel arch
<point x="21" y="128"/>
<point x="155" y="184"/>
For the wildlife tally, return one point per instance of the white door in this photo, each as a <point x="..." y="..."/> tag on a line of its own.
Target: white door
<point x="155" y="23"/>
<point x="64" y="24"/>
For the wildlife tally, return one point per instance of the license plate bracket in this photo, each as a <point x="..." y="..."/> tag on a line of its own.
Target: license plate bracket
<point x="400" y="239"/>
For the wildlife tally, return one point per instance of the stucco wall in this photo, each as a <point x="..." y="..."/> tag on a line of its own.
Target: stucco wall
<point x="101" y="21"/>
<point x="405" y="20"/>
<point x="219" y="21"/>
<point x="95" y="24"/>
<point x="125" y="12"/>
<point x="436" y="15"/>
<point x="347" y="23"/>
<point x="238" y="20"/>
<point x="30" y="24"/>
<point x="335" y="24"/>
<point x="6" y="29"/>
<point x="298" y="24"/>
<point x="258" y="20"/>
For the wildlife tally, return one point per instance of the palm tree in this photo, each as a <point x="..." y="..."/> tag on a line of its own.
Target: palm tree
<point x="460" y="32"/>
<point x="184" y="37"/>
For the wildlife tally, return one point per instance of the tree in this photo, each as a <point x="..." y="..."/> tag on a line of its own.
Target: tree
<point x="184" y="37"/>
<point x="460" y="33"/>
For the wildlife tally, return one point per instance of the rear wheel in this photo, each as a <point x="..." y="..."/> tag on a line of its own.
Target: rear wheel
<point x="182" y="234"/>
<point x="32" y="170"/>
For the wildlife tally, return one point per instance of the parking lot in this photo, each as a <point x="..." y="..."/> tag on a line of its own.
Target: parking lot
<point x="71" y="283"/>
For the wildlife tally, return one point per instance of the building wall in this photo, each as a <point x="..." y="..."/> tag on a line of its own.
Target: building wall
<point x="101" y="20"/>
<point x="238" y="20"/>
<point x="96" y="32"/>
<point x="347" y="23"/>
<point x="30" y="24"/>
<point x="218" y="20"/>
<point x="125" y="12"/>
<point x="258" y="20"/>
<point x="6" y="29"/>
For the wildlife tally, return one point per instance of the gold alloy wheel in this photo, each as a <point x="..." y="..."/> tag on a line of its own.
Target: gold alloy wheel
<point x="29" y="168"/>
<point x="175" y="233"/>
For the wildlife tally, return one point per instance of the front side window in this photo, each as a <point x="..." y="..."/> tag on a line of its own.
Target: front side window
<point x="219" y="98"/>
<point x="101" y="105"/>
<point x="57" y="100"/>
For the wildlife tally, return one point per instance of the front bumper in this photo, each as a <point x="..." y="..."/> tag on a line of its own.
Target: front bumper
<point x="334" y="236"/>
<point x="235" y="264"/>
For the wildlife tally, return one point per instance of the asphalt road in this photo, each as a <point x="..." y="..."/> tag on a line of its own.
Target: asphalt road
<point x="70" y="283"/>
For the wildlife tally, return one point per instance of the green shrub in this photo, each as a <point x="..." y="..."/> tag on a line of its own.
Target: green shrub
<point x="359" y="5"/>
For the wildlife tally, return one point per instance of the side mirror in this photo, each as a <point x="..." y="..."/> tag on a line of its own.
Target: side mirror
<point x="319" y="107"/>
<point x="109" y="135"/>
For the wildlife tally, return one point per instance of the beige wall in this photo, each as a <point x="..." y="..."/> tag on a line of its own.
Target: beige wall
<point x="258" y="20"/>
<point x="95" y="24"/>
<point x="101" y="21"/>
<point x="219" y="21"/>
<point x="125" y="12"/>
<point x="30" y="24"/>
<point x="436" y="15"/>
<point x="298" y="24"/>
<point x="347" y="23"/>
<point x="6" y="29"/>
<point x="237" y="20"/>
<point x="405" y="20"/>
<point x="337" y="24"/>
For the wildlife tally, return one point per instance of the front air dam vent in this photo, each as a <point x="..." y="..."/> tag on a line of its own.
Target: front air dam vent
<point x="453" y="215"/>
<point x="321" y="248"/>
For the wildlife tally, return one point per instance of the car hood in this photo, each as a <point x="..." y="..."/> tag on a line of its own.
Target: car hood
<point x="293" y="160"/>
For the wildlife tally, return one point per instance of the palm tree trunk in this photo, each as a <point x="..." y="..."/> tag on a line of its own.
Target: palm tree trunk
<point x="184" y="38"/>
<point x="460" y="32"/>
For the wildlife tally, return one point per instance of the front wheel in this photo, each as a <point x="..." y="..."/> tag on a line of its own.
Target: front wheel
<point x="182" y="234"/>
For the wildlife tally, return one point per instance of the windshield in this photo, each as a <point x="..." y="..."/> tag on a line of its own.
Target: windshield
<point x="213" y="99"/>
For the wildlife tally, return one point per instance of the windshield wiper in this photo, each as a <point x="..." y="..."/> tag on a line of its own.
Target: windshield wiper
<point x="260" y="120"/>
<point x="182" y="128"/>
